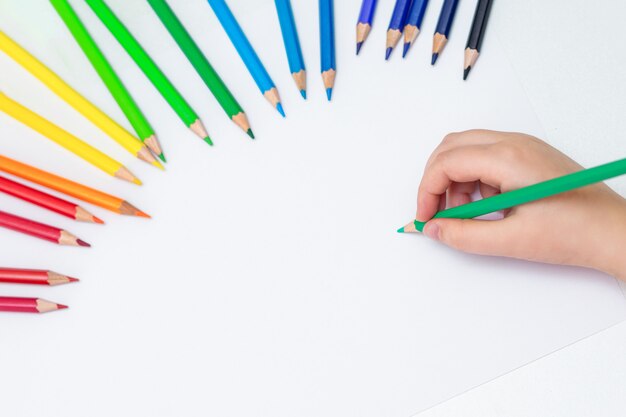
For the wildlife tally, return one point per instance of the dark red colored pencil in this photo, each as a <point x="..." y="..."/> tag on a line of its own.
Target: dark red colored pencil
<point x="28" y="305"/>
<point x="33" y="276"/>
<point x="46" y="201"/>
<point x="40" y="230"/>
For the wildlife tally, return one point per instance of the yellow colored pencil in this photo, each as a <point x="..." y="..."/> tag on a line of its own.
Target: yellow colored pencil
<point x="74" y="99"/>
<point x="65" y="139"/>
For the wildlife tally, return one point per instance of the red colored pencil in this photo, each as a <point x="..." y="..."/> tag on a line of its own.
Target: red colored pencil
<point x="28" y="305"/>
<point x="33" y="276"/>
<point x="47" y="201"/>
<point x="40" y="230"/>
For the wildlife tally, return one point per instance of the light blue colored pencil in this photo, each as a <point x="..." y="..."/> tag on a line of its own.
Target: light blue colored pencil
<point x="327" y="45"/>
<point x="292" y="44"/>
<point x="246" y="52"/>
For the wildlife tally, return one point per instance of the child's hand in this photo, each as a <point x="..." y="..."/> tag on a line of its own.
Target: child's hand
<point x="585" y="227"/>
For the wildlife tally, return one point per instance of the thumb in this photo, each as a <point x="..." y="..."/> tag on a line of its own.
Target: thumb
<point x="485" y="237"/>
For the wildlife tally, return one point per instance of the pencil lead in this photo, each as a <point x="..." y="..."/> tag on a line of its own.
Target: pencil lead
<point x="400" y="230"/>
<point x="279" y="107"/>
<point x="388" y="53"/>
<point x="162" y="157"/>
<point x="70" y="279"/>
<point x="61" y="306"/>
<point x="329" y="93"/>
<point x="303" y="94"/>
<point x="249" y="132"/>
<point x="208" y="140"/>
<point x="140" y="213"/>
<point x="136" y="181"/>
<point x="158" y="165"/>
<point x="434" y="59"/>
<point x="358" y="47"/>
<point x="97" y="220"/>
<point x="466" y="73"/>
<point x="405" y="49"/>
<point x="83" y="243"/>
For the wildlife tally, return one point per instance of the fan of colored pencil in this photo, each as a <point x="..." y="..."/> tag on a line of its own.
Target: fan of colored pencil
<point x="47" y="201"/>
<point x="33" y="277"/>
<point x="28" y="305"/>
<point x="39" y="230"/>
<point x="68" y="187"/>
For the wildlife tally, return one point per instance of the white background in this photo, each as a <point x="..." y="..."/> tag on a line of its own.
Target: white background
<point x="145" y="348"/>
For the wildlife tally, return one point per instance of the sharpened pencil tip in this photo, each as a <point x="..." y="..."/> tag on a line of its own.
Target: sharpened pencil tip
<point x="466" y="73"/>
<point x="136" y="181"/>
<point x="208" y="140"/>
<point x="61" y="307"/>
<point x="83" y="243"/>
<point x="162" y="157"/>
<point x="434" y="59"/>
<point x="73" y="279"/>
<point x="140" y="213"/>
<point x="97" y="220"/>
<point x="303" y="94"/>
<point x="401" y="230"/>
<point x="279" y="107"/>
<point x="358" y="47"/>
<point x="405" y="49"/>
<point x="329" y="93"/>
<point x="249" y="132"/>
<point x="388" y="53"/>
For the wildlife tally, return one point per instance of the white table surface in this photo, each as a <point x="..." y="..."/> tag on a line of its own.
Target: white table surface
<point x="570" y="58"/>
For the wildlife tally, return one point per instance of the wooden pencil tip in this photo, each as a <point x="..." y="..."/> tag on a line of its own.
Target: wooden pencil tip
<point x="97" y="220"/>
<point x="83" y="243"/>
<point x="140" y="213"/>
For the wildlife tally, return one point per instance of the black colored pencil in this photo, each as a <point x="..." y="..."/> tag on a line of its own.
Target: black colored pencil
<point x="476" y="35"/>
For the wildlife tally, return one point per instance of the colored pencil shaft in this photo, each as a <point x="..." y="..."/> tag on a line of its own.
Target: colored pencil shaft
<point x="28" y="305"/>
<point x="39" y="230"/>
<point x="413" y="23"/>
<point x="108" y="75"/>
<point x="292" y="44"/>
<point x="247" y="53"/>
<point x="68" y="187"/>
<point x="65" y="139"/>
<point x="444" y="24"/>
<point x="364" y="22"/>
<point x="396" y="24"/>
<point x="201" y="64"/>
<point x="533" y="192"/>
<point x="74" y="99"/>
<point x="327" y="45"/>
<point x="47" y="201"/>
<point x="149" y="68"/>
<point x="476" y="35"/>
<point x="33" y="277"/>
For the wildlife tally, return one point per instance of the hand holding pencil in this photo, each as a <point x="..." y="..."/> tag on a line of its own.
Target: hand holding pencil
<point x="584" y="227"/>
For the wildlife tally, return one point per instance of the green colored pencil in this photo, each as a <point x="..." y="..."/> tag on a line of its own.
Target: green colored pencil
<point x="149" y="68"/>
<point x="109" y="77"/>
<point x="201" y="64"/>
<point x="526" y="194"/>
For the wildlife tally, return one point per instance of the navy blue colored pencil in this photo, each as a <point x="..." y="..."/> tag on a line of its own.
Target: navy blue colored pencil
<point x="327" y="43"/>
<point x="413" y="23"/>
<point x="476" y="35"/>
<point x="364" y="24"/>
<point x="292" y="44"/>
<point x="446" y="17"/>
<point x="396" y="24"/>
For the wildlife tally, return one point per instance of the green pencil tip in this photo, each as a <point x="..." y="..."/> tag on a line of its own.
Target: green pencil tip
<point x="401" y="230"/>
<point x="208" y="140"/>
<point x="162" y="157"/>
<point x="249" y="132"/>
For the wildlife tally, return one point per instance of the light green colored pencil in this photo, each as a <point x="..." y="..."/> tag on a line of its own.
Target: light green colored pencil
<point x="526" y="194"/>
<point x="109" y="77"/>
<point x="149" y="68"/>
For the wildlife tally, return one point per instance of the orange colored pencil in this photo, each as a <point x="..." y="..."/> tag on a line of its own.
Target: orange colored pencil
<point x="68" y="187"/>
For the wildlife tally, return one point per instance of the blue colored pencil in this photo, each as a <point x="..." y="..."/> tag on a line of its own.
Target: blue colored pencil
<point x="446" y="17"/>
<point x="396" y="24"/>
<point x="327" y="45"/>
<point x="364" y="24"/>
<point x="413" y="23"/>
<point x="292" y="44"/>
<point x="246" y="52"/>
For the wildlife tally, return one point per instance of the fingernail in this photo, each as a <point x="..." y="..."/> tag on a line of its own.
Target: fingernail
<point x="432" y="230"/>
